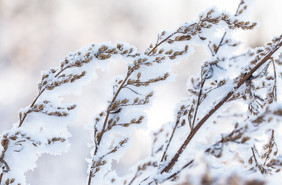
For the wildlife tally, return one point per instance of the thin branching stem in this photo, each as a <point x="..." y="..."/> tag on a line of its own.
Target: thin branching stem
<point x="254" y="155"/>
<point x="270" y="145"/>
<point x="172" y="134"/>
<point x="196" y="110"/>
<point x="220" y="43"/>
<point x="25" y="115"/>
<point x="216" y="107"/>
<point x="176" y="173"/>
<point x="35" y="100"/>
<point x="104" y="126"/>
<point x="238" y="8"/>
<point x="158" y="44"/>
<point x="133" y="179"/>
<point x="113" y="100"/>
<point x="275" y="81"/>
<point x="108" y="111"/>
<point x="198" y="103"/>
<point x="1" y="176"/>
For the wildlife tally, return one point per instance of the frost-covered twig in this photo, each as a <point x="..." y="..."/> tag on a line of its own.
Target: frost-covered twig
<point x="161" y="52"/>
<point x="45" y="127"/>
<point x="240" y="80"/>
<point x="250" y="79"/>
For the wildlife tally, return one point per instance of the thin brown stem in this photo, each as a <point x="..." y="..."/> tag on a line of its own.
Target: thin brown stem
<point x="237" y="11"/>
<point x="39" y="94"/>
<point x="34" y="101"/>
<point x="122" y="86"/>
<point x="275" y="81"/>
<point x="108" y="111"/>
<point x="158" y="44"/>
<point x="133" y="179"/>
<point x="254" y="155"/>
<point x="220" y="43"/>
<point x="196" y="110"/>
<point x="270" y="145"/>
<point x="172" y="134"/>
<point x="1" y="176"/>
<point x="105" y="123"/>
<point x="216" y="107"/>
<point x="198" y="103"/>
<point x="176" y="173"/>
<point x="113" y="100"/>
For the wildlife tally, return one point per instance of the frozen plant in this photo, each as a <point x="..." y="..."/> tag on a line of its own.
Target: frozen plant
<point x="212" y="141"/>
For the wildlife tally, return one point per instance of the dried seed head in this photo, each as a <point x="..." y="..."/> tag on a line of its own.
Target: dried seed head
<point x="49" y="87"/>
<point x="133" y="120"/>
<point x="120" y="46"/>
<point x="136" y="100"/>
<point x="40" y="107"/>
<point x="150" y="94"/>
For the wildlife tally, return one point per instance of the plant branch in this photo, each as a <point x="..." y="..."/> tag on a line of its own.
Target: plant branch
<point x="220" y="43"/>
<point x="133" y="179"/>
<point x="176" y="173"/>
<point x="196" y="110"/>
<point x="39" y="94"/>
<point x="157" y="45"/>
<point x="172" y="134"/>
<point x="113" y="100"/>
<point x="216" y="107"/>
<point x="275" y="81"/>
<point x="198" y="103"/>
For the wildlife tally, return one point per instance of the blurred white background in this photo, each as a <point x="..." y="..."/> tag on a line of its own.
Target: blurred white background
<point x="36" y="34"/>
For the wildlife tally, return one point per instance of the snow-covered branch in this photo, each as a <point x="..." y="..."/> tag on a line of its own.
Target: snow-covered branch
<point x="211" y="138"/>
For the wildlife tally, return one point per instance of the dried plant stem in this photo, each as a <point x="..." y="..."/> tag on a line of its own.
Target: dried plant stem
<point x="237" y="11"/>
<point x="176" y="173"/>
<point x="220" y="43"/>
<point x="158" y="44"/>
<point x="275" y="81"/>
<point x="105" y="123"/>
<point x="34" y="101"/>
<point x="216" y="107"/>
<point x="113" y="100"/>
<point x="197" y="106"/>
<point x="39" y="94"/>
<point x="1" y="176"/>
<point x="25" y="115"/>
<point x="270" y="145"/>
<point x="198" y="102"/>
<point x="171" y="136"/>
<point x="254" y="155"/>
<point x="133" y="179"/>
<point x="108" y="111"/>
